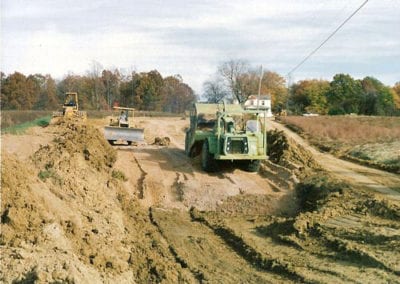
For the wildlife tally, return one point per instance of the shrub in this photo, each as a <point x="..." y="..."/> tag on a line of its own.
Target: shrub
<point x="117" y="174"/>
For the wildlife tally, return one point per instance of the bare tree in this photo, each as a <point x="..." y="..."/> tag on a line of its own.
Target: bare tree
<point x="236" y="75"/>
<point x="214" y="91"/>
<point x="94" y="74"/>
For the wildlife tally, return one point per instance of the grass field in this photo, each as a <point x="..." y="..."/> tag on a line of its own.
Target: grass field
<point x="22" y="127"/>
<point x="374" y="141"/>
<point x="13" y="117"/>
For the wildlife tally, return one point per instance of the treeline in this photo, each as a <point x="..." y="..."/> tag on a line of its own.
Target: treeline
<point x="345" y="95"/>
<point x="237" y="79"/>
<point x="97" y="91"/>
<point x="234" y="79"/>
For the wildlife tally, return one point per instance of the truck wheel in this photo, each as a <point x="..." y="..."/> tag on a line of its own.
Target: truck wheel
<point x="208" y="163"/>
<point x="253" y="166"/>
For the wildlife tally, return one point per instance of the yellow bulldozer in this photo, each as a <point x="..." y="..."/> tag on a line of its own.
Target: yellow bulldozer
<point x="70" y="108"/>
<point x="121" y="128"/>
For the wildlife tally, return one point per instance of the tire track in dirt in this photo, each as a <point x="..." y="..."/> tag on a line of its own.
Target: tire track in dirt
<point x="173" y="180"/>
<point x="141" y="184"/>
<point x="205" y="253"/>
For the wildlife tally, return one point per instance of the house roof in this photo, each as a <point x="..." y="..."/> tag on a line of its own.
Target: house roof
<point x="262" y="97"/>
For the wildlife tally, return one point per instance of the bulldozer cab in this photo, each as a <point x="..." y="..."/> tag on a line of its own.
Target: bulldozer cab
<point x="71" y="99"/>
<point x="70" y="107"/>
<point x="122" y="117"/>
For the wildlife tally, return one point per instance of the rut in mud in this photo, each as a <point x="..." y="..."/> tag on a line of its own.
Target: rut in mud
<point x="73" y="219"/>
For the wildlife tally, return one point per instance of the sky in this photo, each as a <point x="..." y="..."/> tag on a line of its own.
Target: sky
<point x="192" y="38"/>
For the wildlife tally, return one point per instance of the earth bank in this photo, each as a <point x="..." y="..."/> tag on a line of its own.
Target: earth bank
<point x="79" y="211"/>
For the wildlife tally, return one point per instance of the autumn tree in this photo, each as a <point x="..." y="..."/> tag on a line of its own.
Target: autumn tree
<point x="83" y="85"/>
<point x="275" y="85"/>
<point x="18" y="92"/>
<point x="309" y="96"/>
<point x="177" y="96"/>
<point x="111" y="82"/>
<point x="242" y="81"/>
<point x="47" y="92"/>
<point x="396" y="95"/>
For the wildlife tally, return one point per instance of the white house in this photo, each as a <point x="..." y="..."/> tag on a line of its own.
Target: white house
<point x="263" y="103"/>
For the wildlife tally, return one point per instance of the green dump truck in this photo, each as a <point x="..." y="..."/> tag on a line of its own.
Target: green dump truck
<point x="226" y="132"/>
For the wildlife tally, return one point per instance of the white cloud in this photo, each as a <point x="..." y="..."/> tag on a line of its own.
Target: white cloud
<point x="192" y="37"/>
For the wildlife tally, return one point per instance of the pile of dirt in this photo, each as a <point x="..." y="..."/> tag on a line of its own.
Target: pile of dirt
<point x="66" y="218"/>
<point x="288" y="162"/>
<point x="284" y="151"/>
<point x="76" y="142"/>
<point x="162" y="141"/>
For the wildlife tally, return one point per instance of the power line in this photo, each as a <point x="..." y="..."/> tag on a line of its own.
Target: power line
<point x="328" y="38"/>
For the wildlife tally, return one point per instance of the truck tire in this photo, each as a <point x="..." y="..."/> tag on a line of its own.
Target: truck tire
<point x="208" y="163"/>
<point x="253" y="166"/>
<point x="187" y="150"/>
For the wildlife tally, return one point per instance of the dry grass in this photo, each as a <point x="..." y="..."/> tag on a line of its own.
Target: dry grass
<point x="347" y="129"/>
<point x="373" y="141"/>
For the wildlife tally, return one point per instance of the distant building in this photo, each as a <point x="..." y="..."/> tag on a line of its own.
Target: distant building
<point x="264" y="103"/>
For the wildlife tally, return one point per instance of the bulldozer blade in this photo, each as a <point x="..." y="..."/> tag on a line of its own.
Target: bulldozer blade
<point x="112" y="133"/>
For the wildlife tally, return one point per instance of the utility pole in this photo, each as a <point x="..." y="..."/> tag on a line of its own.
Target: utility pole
<point x="289" y="85"/>
<point x="259" y="86"/>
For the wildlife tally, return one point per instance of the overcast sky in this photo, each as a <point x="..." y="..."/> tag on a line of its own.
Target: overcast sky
<point x="192" y="38"/>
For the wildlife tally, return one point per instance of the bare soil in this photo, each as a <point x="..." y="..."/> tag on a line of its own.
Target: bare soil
<point x="305" y="217"/>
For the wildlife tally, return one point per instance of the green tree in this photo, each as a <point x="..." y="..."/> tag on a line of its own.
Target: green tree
<point x="148" y="93"/>
<point x="127" y="90"/>
<point x="377" y="98"/>
<point x="345" y="95"/>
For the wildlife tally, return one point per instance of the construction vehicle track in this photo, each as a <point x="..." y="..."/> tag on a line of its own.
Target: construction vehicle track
<point x="170" y="221"/>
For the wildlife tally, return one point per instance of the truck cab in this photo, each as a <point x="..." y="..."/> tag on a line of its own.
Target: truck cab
<point x="226" y="132"/>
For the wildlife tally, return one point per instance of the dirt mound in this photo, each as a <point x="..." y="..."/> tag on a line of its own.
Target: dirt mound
<point x="246" y="204"/>
<point x="162" y="141"/>
<point x="76" y="142"/>
<point x="284" y="151"/>
<point x="67" y="218"/>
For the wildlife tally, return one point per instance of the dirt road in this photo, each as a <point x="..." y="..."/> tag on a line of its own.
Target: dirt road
<point x="71" y="220"/>
<point x="168" y="178"/>
<point x="376" y="180"/>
